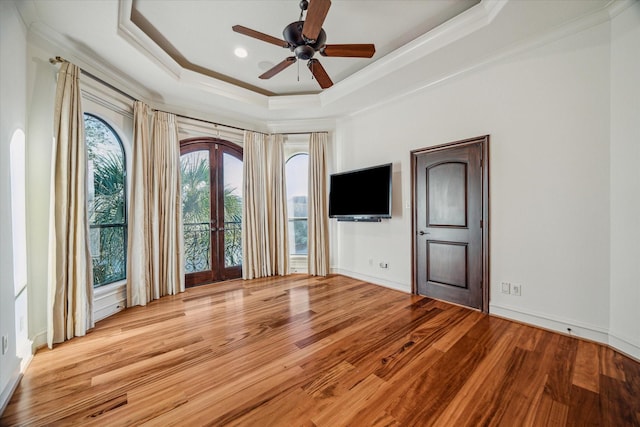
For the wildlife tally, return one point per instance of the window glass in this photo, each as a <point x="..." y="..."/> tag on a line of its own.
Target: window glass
<point x="297" y="175"/>
<point x="106" y="201"/>
<point x="232" y="179"/>
<point x="196" y="210"/>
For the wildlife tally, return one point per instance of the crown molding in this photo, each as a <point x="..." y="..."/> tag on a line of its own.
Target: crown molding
<point x="302" y="126"/>
<point x="461" y="26"/>
<point x="46" y="38"/>
<point x="581" y="23"/>
<point x="368" y="88"/>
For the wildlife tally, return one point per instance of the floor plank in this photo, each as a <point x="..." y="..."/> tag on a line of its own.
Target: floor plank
<point x="308" y="351"/>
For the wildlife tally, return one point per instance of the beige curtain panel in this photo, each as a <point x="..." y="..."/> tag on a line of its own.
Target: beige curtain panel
<point x="278" y="219"/>
<point x="265" y="248"/>
<point x="318" y="241"/>
<point x="70" y="284"/>
<point x="139" y="245"/>
<point x="256" y="260"/>
<point x="155" y="257"/>
<point x="167" y="255"/>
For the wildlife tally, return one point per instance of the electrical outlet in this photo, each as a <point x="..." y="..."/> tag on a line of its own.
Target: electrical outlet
<point x="5" y="344"/>
<point x="516" y="290"/>
<point x="506" y="287"/>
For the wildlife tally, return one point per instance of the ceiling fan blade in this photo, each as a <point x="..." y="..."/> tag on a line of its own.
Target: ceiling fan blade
<point x="349" y="50"/>
<point x="279" y="67"/>
<point x="260" y="36"/>
<point x="316" y="14"/>
<point x="319" y="73"/>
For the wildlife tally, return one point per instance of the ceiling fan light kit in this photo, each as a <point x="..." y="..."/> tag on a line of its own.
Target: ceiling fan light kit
<point x="306" y="37"/>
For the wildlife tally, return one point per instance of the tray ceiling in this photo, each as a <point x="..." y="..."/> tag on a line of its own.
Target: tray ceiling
<point x="178" y="55"/>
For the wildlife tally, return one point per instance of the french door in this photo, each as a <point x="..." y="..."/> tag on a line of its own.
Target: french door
<point x="211" y="172"/>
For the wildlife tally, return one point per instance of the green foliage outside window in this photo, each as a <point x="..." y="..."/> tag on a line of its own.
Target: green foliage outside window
<point x="196" y="212"/>
<point x="107" y="205"/>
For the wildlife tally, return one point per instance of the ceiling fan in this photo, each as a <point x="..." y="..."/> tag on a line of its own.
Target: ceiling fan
<point x="305" y="38"/>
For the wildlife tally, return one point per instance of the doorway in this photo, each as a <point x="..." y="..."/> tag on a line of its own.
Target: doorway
<point x="450" y="187"/>
<point x="211" y="173"/>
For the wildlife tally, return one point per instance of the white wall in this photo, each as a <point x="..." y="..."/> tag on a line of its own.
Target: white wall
<point x="41" y="89"/>
<point x="625" y="180"/>
<point x="547" y="111"/>
<point x="13" y="67"/>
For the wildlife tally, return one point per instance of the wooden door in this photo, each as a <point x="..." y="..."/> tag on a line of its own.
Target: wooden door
<point x="450" y="224"/>
<point x="211" y="210"/>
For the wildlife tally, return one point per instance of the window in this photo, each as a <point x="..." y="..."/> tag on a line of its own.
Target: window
<point x="106" y="201"/>
<point x="297" y="175"/>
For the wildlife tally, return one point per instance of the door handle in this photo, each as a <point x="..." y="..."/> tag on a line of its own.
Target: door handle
<point x="422" y="233"/>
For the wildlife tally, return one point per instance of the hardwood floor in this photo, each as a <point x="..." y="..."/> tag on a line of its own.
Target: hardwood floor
<point x="325" y="352"/>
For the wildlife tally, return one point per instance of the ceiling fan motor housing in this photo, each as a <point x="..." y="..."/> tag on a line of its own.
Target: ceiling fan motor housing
<point x="304" y="52"/>
<point x="292" y="33"/>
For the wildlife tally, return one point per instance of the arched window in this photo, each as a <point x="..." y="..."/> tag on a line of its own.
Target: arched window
<point x="297" y="175"/>
<point x="106" y="177"/>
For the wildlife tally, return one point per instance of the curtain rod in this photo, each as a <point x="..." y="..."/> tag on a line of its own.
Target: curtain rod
<point x="213" y="123"/>
<point x="304" y="133"/>
<point x="59" y="59"/>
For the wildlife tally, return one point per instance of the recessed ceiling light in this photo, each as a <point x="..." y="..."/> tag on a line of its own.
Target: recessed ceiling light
<point x="240" y="52"/>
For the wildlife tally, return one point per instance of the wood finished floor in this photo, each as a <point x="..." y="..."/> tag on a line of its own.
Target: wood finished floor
<point x="326" y="352"/>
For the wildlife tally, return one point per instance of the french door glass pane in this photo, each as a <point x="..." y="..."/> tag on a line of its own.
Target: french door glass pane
<point x="196" y="210"/>
<point x="232" y="180"/>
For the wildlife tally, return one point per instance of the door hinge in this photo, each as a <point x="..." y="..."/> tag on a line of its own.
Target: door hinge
<point x="480" y="223"/>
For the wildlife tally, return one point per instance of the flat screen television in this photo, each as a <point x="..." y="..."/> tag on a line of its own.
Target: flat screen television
<point x="361" y="195"/>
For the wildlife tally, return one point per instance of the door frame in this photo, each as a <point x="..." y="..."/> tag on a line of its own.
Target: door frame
<point x="219" y="272"/>
<point x="484" y="142"/>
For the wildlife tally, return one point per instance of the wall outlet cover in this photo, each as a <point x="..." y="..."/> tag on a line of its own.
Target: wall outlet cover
<point x="506" y="287"/>
<point x="517" y="290"/>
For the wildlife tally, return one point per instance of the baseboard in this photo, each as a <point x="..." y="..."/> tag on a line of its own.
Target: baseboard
<point x="403" y="287"/>
<point x="625" y="346"/>
<point x="39" y="341"/>
<point x="5" y="397"/>
<point x="109" y="299"/>
<point x="554" y="323"/>
<point x="26" y="353"/>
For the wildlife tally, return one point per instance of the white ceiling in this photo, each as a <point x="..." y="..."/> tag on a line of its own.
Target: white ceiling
<point x="204" y="36"/>
<point x="178" y="54"/>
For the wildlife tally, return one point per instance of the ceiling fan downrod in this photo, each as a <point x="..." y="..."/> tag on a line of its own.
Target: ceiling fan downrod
<point x="304" y="5"/>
